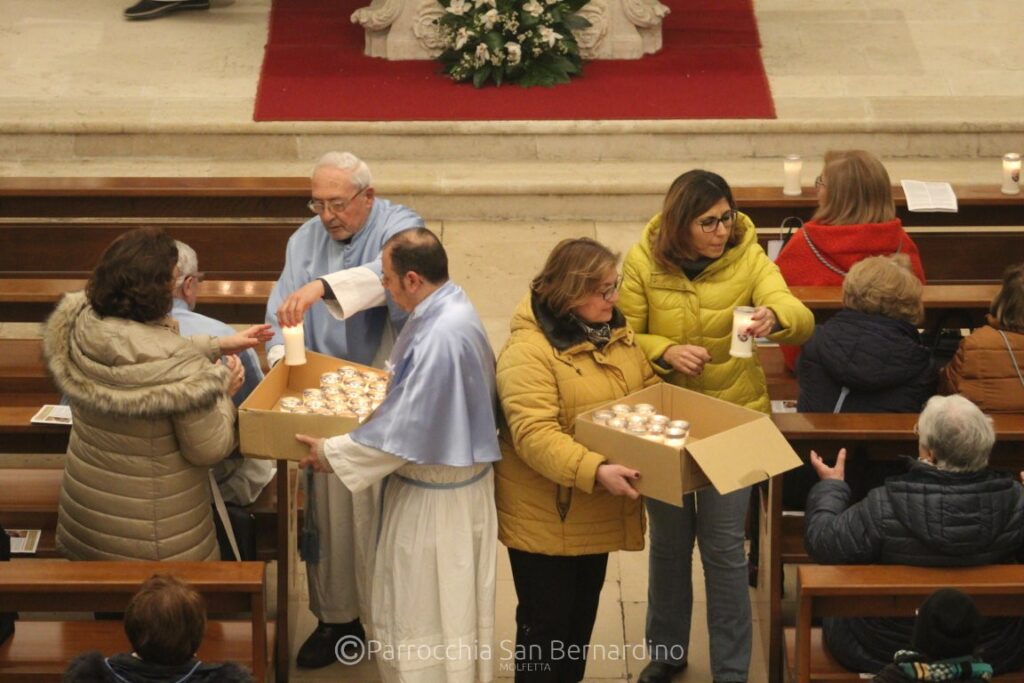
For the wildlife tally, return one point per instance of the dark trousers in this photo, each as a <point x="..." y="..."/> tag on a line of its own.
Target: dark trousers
<point x="558" y="599"/>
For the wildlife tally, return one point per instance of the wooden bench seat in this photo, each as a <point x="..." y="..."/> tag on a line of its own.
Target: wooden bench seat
<point x="886" y="591"/>
<point x="231" y="301"/>
<point x="31" y="498"/>
<point x="40" y="650"/>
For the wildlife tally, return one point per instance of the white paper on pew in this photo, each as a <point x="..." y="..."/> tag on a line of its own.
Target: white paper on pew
<point x="53" y="415"/>
<point x="24" y="541"/>
<point x="928" y="196"/>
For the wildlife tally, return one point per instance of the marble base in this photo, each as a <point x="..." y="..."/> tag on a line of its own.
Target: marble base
<point x="406" y="29"/>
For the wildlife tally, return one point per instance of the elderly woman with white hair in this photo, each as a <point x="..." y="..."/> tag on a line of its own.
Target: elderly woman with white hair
<point x="947" y="510"/>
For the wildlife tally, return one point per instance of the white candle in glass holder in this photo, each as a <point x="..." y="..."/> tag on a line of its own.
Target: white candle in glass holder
<point x="791" y="167"/>
<point x="1011" y="173"/>
<point x="294" y="345"/>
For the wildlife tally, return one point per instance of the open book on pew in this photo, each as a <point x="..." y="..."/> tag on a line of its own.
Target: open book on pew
<point x="52" y="415"/>
<point x="927" y="196"/>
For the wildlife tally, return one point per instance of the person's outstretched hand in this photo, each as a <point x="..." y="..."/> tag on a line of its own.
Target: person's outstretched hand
<point x="826" y="472"/>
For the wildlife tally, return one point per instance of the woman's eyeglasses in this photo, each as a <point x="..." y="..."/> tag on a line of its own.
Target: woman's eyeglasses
<point x="608" y="293"/>
<point x="710" y="223"/>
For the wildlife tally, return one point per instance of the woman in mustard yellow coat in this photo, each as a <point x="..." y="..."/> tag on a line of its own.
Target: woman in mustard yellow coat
<point x="561" y="506"/>
<point x="696" y="261"/>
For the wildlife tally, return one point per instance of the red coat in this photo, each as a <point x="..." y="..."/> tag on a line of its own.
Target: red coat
<point x="840" y="246"/>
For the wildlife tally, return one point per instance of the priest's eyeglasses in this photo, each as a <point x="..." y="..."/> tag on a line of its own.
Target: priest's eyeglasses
<point x="710" y="223"/>
<point x="608" y="293"/>
<point x="335" y="206"/>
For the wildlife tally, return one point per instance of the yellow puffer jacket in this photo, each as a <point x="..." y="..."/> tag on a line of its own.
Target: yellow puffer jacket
<point x="667" y="308"/>
<point x="544" y="483"/>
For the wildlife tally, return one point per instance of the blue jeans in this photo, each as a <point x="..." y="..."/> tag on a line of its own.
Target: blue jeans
<point x="717" y="523"/>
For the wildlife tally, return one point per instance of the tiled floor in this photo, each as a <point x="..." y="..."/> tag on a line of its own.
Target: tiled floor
<point x="617" y="652"/>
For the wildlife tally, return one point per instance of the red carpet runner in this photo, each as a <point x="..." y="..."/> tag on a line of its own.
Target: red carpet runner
<point x="314" y="70"/>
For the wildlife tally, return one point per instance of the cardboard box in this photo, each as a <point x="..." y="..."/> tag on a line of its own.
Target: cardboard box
<point x="728" y="446"/>
<point x="265" y="432"/>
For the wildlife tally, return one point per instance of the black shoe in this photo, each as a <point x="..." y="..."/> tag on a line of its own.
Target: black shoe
<point x="660" y="672"/>
<point x="319" y="650"/>
<point x="151" y="9"/>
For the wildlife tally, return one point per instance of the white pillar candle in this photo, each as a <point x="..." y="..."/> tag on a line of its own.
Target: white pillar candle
<point x="1011" y="173"/>
<point x="742" y="343"/>
<point x="294" y="345"/>
<point x="791" y="167"/>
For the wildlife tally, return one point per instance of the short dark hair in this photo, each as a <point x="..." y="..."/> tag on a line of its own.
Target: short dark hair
<point x="134" y="276"/>
<point x="165" y="621"/>
<point x="418" y="251"/>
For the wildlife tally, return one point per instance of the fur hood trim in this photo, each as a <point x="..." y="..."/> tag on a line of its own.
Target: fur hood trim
<point x="122" y="367"/>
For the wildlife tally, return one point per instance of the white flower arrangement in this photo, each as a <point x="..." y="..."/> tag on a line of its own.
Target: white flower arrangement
<point x="529" y="42"/>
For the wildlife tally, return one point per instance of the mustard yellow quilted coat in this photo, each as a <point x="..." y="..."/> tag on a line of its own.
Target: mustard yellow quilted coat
<point x="667" y="308"/>
<point x="544" y="484"/>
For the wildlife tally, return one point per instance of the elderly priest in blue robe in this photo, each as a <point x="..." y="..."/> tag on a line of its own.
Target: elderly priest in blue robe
<point x="433" y="580"/>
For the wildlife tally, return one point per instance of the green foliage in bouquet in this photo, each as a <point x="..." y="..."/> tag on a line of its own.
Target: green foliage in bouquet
<point x="529" y="42"/>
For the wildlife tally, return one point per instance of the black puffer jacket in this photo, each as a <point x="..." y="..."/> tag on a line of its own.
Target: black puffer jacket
<point x="880" y="359"/>
<point x="93" y="667"/>
<point x="927" y="518"/>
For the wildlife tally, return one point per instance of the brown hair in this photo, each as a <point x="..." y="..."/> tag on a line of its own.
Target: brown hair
<point x="573" y="271"/>
<point x="885" y="285"/>
<point x="690" y="195"/>
<point x="857" y="190"/>
<point x="1008" y="306"/>
<point x="134" y="277"/>
<point x="165" y="621"/>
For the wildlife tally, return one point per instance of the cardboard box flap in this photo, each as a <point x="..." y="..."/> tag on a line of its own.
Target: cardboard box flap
<point x="744" y="455"/>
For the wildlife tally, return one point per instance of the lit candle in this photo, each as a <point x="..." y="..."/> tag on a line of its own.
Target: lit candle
<point x="791" y="167"/>
<point x="294" y="345"/>
<point x="1011" y="173"/>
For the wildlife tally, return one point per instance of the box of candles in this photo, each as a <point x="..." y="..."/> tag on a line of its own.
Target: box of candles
<point x="323" y="397"/>
<point x="681" y="441"/>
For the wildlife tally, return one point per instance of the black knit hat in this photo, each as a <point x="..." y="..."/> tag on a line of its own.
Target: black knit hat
<point x="947" y="625"/>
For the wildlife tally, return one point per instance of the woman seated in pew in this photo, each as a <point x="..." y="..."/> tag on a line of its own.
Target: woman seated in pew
<point x="947" y="510"/>
<point x="856" y="218"/>
<point x="151" y="410"/>
<point x="562" y="507"/>
<point x="165" y="623"/>
<point x="987" y="366"/>
<point x="867" y="358"/>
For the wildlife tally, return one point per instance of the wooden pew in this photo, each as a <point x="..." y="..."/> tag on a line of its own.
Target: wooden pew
<point x="230" y="301"/>
<point x="885" y="591"/>
<point x="889" y="435"/>
<point x="41" y="650"/>
<point x="233" y="249"/>
<point x="285" y="197"/>
<point x="272" y="208"/>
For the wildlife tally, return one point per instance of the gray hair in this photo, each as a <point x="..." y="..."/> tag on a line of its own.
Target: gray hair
<point x="957" y="433"/>
<point x="188" y="262"/>
<point x="357" y="170"/>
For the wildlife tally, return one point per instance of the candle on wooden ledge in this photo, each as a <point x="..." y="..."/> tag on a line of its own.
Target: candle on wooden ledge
<point x="791" y="167"/>
<point x="1011" y="173"/>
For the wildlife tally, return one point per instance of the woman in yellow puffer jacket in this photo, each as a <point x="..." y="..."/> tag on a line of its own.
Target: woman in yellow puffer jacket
<point x="695" y="262"/>
<point x="561" y="507"/>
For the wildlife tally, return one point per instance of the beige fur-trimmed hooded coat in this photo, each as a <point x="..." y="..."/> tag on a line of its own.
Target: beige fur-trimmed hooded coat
<point x="150" y="415"/>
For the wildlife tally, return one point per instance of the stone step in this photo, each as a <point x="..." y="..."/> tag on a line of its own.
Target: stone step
<point x="524" y="190"/>
<point x="503" y="141"/>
